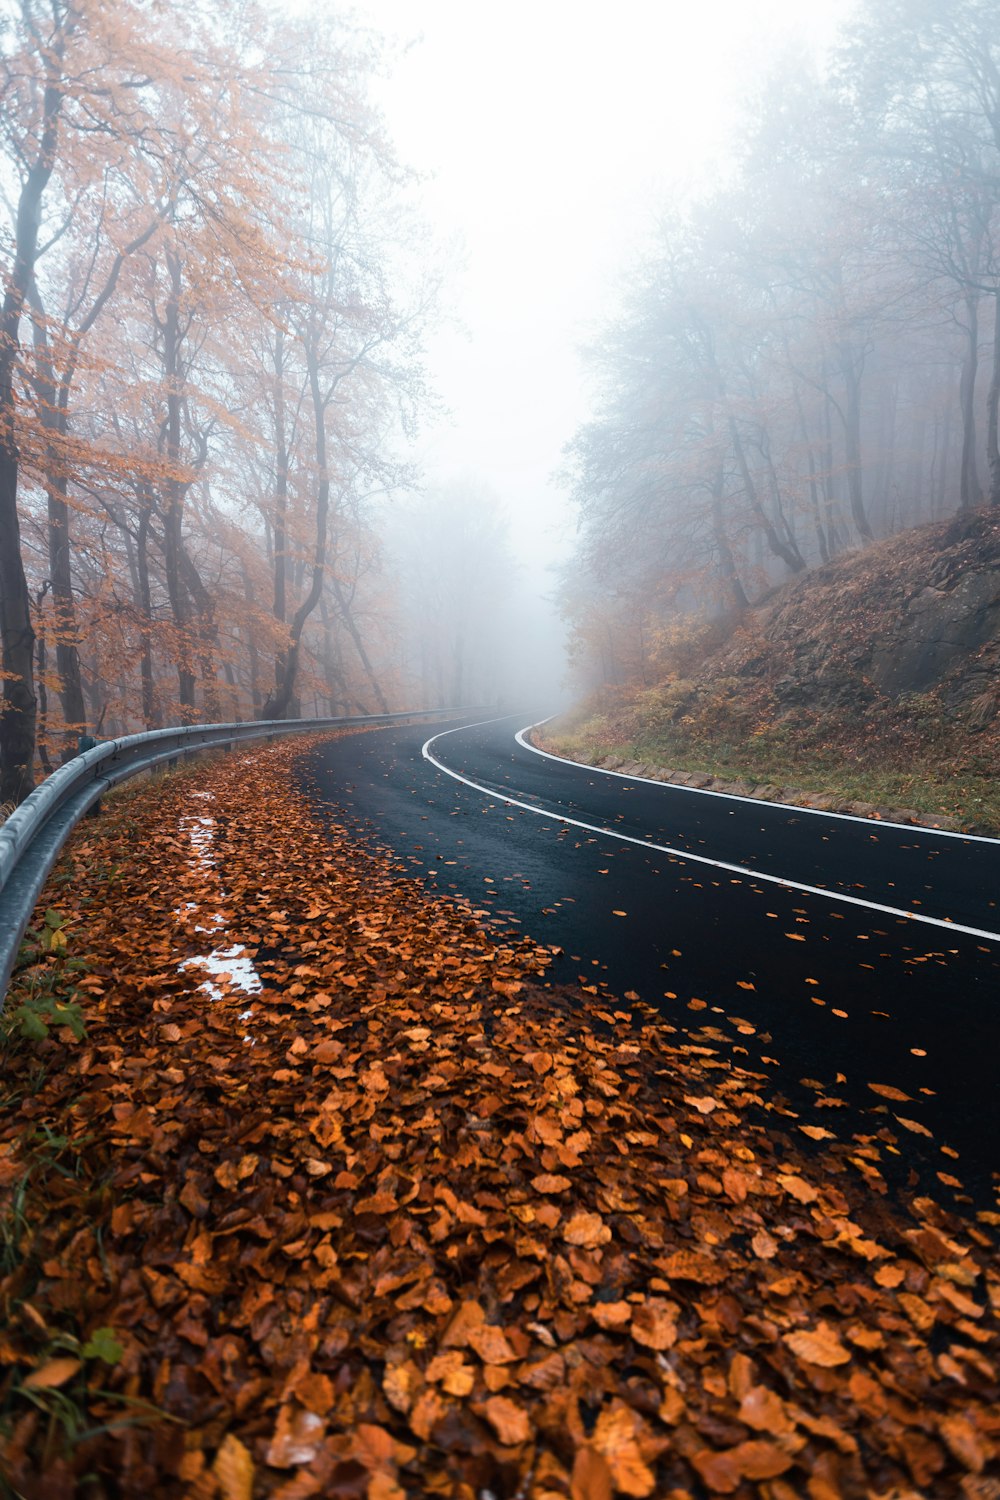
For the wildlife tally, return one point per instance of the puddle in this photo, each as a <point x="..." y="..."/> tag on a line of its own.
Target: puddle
<point x="230" y="964"/>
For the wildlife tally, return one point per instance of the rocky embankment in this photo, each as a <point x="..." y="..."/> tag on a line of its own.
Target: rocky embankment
<point x="886" y="660"/>
<point x="918" y="614"/>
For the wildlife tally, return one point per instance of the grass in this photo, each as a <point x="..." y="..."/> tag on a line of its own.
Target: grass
<point x="933" y="783"/>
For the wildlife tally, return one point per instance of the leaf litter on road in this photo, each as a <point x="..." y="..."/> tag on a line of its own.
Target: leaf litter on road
<point x="404" y="1222"/>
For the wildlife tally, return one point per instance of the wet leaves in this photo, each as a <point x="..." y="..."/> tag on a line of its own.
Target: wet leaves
<point x="435" y="1230"/>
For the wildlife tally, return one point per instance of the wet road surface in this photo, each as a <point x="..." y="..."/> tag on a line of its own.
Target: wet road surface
<point x="826" y="996"/>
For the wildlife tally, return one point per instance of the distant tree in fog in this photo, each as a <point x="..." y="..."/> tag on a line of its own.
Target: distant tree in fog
<point x="794" y="367"/>
<point x="457" y="572"/>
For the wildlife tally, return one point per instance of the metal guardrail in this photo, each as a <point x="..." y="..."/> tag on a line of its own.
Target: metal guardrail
<point x="35" y="832"/>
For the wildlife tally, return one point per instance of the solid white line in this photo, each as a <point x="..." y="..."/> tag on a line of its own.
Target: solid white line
<point x="704" y="791"/>
<point x="684" y="854"/>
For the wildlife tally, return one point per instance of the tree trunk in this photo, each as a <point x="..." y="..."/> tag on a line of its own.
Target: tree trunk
<point x="852" y="441"/>
<point x="43" y="701"/>
<point x="151" y="715"/>
<point x="280" y="500"/>
<point x="53" y="397"/>
<point x="970" y="493"/>
<point x="735" y="593"/>
<point x="789" y="554"/>
<point x="359" y="645"/>
<point x="176" y="489"/>
<point x="992" y="404"/>
<point x="821" y="537"/>
<point x="279" y="700"/>
<point x="17" y="719"/>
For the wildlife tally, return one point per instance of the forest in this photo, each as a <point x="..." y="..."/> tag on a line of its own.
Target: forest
<point x="807" y="358"/>
<point x="216" y="284"/>
<point x="218" y="289"/>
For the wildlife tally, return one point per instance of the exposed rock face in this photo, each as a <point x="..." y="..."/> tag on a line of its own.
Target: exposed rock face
<point x="941" y="629"/>
<point x="917" y="614"/>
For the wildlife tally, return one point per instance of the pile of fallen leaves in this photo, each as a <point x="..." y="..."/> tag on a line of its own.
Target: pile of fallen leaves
<point x="377" y="1215"/>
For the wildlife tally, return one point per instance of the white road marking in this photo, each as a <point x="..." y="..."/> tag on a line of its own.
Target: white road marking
<point x="684" y="854"/>
<point x="705" y="791"/>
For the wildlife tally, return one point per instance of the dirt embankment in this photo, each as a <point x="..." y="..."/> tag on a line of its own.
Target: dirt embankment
<point x="875" y="679"/>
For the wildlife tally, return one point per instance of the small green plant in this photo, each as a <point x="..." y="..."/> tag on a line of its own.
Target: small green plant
<point x="42" y="988"/>
<point x="63" y="1386"/>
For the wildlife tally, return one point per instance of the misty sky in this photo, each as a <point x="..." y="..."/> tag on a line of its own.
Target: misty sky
<point x="553" y="130"/>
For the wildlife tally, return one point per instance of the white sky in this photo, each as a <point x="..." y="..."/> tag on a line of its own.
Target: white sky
<point x="553" y="131"/>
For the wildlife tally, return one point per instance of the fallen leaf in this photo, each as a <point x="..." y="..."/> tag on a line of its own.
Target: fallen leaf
<point x="801" y="1191"/>
<point x="591" y="1476"/>
<point x="615" y="1438"/>
<point x="548" y="1182"/>
<point x="818" y="1346"/>
<point x="653" y="1324"/>
<point x="233" y="1469"/>
<point x="914" y="1126"/>
<point x="52" y="1374"/>
<point x="297" y="1438"/>
<point x="587" y="1230"/>
<point x="508" y="1420"/>
<point x="887" y="1091"/>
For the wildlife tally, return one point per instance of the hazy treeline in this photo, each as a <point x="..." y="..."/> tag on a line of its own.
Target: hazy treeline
<point x="809" y="358"/>
<point x="215" y="290"/>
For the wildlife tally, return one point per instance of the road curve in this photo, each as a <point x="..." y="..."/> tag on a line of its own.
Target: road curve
<point x="878" y="962"/>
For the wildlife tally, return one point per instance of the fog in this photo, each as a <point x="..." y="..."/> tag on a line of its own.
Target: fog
<point x="551" y="138"/>
<point x="356" y="361"/>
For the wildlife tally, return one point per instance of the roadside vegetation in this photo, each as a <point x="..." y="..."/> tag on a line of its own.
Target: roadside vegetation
<point x="869" y="685"/>
<point x="791" y="761"/>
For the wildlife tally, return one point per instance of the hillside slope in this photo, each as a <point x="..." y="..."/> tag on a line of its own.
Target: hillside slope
<point x="875" y="678"/>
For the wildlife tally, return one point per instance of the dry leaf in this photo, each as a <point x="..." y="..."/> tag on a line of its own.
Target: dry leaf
<point x="615" y="1438"/>
<point x="52" y="1374"/>
<point x="508" y="1420"/>
<point x="817" y="1346"/>
<point x="888" y="1092"/>
<point x="653" y="1324"/>
<point x="586" y="1230"/>
<point x="233" y="1469"/>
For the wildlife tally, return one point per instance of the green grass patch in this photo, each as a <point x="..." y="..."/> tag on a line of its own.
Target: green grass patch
<point x="936" y="784"/>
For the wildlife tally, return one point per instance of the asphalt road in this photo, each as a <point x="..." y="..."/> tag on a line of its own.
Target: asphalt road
<point x="827" y="995"/>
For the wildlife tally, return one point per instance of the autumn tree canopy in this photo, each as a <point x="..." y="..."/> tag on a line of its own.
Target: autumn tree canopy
<point x="210" y="336"/>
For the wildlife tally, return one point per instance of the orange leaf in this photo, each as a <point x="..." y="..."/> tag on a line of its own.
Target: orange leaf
<point x="720" y="1472"/>
<point x="800" y="1190"/>
<point x="760" y="1460"/>
<point x="591" y="1476"/>
<point x="53" y="1373"/>
<point x="587" y="1231"/>
<point x="233" y="1469"/>
<point x="611" y="1314"/>
<point x="888" y="1092"/>
<point x="704" y="1105"/>
<point x="818" y="1346"/>
<point x="914" y="1126"/>
<point x="508" y="1420"/>
<point x="615" y="1437"/>
<point x="693" y="1265"/>
<point x="491" y="1344"/>
<point x="548" y="1182"/>
<point x="653" y="1325"/>
<point x="764" y="1411"/>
